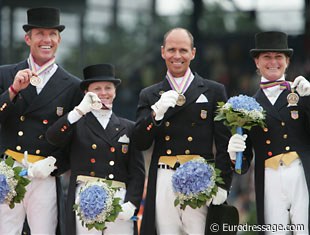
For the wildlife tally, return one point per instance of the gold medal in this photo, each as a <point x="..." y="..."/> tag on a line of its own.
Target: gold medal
<point x="292" y="99"/>
<point x="181" y="100"/>
<point x="35" y="80"/>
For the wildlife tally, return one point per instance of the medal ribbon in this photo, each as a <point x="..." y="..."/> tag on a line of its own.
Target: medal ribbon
<point x="184" y="84"/>
<point x="283" y="84"/>
<point x="43" y="68"/>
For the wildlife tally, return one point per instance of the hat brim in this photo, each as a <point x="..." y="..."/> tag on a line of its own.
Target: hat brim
<point x="27" y="27"/>
<point x="255" y="52"/>
<point x="85" y="83"/>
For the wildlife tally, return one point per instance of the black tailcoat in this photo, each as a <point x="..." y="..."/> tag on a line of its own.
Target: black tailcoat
<point x="287" y="129"/>
<point x="25" y="120"/>
<point x="191" y="130"/>
<point x="98" y="152"/>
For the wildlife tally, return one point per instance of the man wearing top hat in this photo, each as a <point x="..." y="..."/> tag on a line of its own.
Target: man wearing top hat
<point x="282" y="149"/>
<point x="100" y="148"/>
<point x="34" y="94"/>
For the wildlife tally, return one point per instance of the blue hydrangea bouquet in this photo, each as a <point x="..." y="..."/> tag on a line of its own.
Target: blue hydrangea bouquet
<point x="240" y="112"/>
<point x="195" y="183"/>
<point x="97" y="204"/>
<point x="12" y="185"/>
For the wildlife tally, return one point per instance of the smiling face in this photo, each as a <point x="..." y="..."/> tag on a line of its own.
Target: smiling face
<point x="43" y="44"/>
<point x="178" y="52"/>
<point x="272" y="65"/>
<point x="106" y="91"/>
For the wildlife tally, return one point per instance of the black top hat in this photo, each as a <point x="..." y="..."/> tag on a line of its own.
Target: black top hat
<point x="271" y="41"/>
<point x="43" y="17"/>
<point x="99" y="73"/>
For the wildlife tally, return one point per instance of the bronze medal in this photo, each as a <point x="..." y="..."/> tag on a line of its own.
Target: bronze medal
<point x="35" y="81"/>
<point x="96" y="105"/>
<point x="181" y="100"/>
<point x="292" y="99"/>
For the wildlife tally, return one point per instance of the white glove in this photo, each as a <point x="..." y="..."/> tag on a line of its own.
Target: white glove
<point x="128" y="211"/>
<point x="236" y="144"/>
<point x="86" y="104"/>
<point x="302" y="86"/>
<point x="168" y="99"/>
<point x="220" y="196"/>
<point x="42" y="169"/>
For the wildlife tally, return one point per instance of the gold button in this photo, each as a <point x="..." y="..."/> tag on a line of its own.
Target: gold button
<point x="38" y="151"/>
<point x="285" y="136"/>
<point x="92" y="173"/>
<point x="190" y="139"/>
<point x="18" y="148"/>
<point x="111" y="176"/>
<point x="287" y="148"/>
<point x="187" y="151"/>
<point x="167" y="124"/>
<point x="22" y="118"/>
<point x="112" y="149"/>
<point x="94" y="146"/>
<point x="265" y="129"/>
<point x="111" y="163"/>
<point x="167" y="137"/>
<point x="282" y="123"/>
<point x="169" y="151"/>
<point x="268" y="141"/>
<point x="20" y="133"/>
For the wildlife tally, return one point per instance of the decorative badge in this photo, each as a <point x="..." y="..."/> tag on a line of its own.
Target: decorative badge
<point x="292" y="99"/>
<point x="181" y="100"/>
<point x="294" y="114"/>
<point x="203" y="114"/>
<point x="124" y="148"/>
<point x="35" y="80"/>
<point x="59" y="111"/>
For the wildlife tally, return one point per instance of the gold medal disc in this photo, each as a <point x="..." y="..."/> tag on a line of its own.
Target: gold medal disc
<point x="181" y="100"/>
<point x="35" y="81"/>
<point x="292" y="99"/>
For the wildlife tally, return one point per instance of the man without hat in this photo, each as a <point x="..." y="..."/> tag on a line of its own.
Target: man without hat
<point x="34" y="93"/>
<point x="100" y="148"/>
<point x="282" y="149"/>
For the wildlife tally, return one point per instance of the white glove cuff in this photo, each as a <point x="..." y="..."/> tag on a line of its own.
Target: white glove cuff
<point x="74" y="116"/>
<point x="158" y="116"/>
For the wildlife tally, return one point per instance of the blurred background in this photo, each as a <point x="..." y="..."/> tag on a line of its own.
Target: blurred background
<point x="128" y="34"/>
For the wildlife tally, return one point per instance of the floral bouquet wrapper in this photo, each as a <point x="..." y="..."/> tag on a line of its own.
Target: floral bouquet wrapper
<point x="12" y="185"/>
<point x="97" y="204"/>
<point x="195" y="183"/>
<point x="240" y="112"/>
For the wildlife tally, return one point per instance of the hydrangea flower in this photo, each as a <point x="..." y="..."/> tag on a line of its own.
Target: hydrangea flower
<point x="12" y="186"/>
<point x="96" y="204"/>
<point x="240" y="112"/>
<point x="194" y="183"/>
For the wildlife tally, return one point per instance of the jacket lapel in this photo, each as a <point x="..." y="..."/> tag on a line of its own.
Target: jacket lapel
<point x="114" y="127"/>
<point x="97" y="129"/>
<point x="265" y="103"/>
<point x="57" y="84"/>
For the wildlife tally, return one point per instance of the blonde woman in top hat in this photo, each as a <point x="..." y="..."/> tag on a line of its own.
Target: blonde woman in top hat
<point x="34" y="93"/>
<point x="100" y="147"/>
<point x="282" y="149"/>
